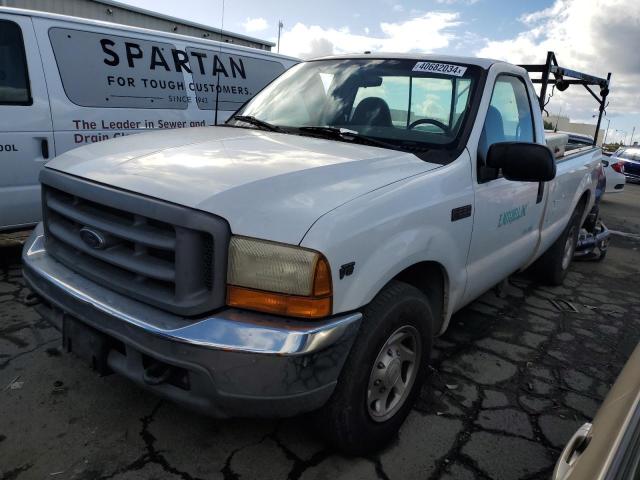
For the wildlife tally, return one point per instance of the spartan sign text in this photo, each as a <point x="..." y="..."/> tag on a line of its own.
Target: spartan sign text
<point x="158" y="58"/>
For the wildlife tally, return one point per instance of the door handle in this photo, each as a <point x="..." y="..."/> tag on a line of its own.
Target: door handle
<point x="540" y="192"/>
<point x="573" y="449"/>
<point x="44" y="147"/>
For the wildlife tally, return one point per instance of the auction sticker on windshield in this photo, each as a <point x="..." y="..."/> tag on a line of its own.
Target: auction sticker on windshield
<point x="442" y="68"/>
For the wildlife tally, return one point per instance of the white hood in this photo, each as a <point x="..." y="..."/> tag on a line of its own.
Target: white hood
<point x="266" y="185"/>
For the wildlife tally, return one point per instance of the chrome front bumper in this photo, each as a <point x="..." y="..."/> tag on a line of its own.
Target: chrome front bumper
<point x="239" y="363"/>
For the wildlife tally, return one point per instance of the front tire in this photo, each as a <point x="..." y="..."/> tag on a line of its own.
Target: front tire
<point x="383" y="374"/>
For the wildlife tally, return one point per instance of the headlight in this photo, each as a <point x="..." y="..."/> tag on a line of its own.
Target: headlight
<point x="276" y="278"/>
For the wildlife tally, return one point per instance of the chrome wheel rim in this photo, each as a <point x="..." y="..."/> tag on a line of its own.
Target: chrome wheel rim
<point x="569" y="248"/>
<point x="394" y="373"/>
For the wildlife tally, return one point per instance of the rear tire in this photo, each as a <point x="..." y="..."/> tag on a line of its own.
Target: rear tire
<point x="383" y="374"/>
<point x="552" y="267"/>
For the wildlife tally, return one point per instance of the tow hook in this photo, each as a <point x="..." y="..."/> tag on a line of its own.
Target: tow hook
<point x="31" y="300"/>
<point x="157" y="373"/>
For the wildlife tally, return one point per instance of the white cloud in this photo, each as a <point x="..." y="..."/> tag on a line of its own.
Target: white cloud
<point x="255" y="24"/>
<point x="594" y="36"/>
<point x="451" y="2"/>
<point x="398" y="8"/>
<point x="425" y="33"/>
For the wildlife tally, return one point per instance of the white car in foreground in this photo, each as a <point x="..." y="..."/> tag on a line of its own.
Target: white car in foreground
<point x="304" y="256"/>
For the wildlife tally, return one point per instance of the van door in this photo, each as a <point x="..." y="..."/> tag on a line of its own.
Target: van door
<point x="507" y="216"/>
<point x="26" y="139"/>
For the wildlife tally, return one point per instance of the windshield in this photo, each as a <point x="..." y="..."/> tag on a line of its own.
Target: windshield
<point x="403" y="103"/>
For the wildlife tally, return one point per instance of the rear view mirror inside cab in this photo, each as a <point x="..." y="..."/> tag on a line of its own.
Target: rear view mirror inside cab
<point x="523" y="162"/>
<point x="370" y="81"/>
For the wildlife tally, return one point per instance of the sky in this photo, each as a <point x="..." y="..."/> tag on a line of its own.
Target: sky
<point x="594" y="36"/>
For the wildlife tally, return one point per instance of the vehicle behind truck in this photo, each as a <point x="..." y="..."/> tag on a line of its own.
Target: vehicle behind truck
<point x="304" y="256"/>
<point x="67" y="82"/>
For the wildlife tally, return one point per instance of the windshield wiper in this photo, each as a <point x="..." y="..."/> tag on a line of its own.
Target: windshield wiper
<point x="256" y="122"/>
<point x="349" y="135"/>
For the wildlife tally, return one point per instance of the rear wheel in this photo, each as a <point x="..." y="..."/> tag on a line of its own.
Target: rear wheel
<point x="553" y="265"/>
<point x="383" y="373"/>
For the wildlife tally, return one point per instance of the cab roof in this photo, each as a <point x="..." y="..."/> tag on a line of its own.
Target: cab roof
<point x="484" y="63"/>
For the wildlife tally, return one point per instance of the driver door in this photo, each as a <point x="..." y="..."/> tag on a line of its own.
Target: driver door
<point x="507" y="213"/>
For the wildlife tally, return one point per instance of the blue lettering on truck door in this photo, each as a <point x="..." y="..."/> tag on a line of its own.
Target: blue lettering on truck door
<point x="512" y="215"/>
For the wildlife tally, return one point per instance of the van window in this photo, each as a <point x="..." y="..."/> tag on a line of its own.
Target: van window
<point x="106" y="70"/>
<point x="14" y="79"/>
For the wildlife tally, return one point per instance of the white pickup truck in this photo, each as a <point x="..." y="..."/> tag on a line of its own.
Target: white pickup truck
<point x="304" y="256"/>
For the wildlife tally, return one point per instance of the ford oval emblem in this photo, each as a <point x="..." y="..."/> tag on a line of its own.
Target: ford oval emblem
<point x="93" y="238"/>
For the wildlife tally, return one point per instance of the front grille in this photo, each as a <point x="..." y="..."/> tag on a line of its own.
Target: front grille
<point x="165" y="255"/>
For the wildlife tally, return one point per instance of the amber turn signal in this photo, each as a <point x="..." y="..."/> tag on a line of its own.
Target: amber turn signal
<point x="278" y="303"/>
<point x="322" y="278"/>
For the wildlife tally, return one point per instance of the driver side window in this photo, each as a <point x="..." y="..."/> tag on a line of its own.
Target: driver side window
<point x="509" y="117"/>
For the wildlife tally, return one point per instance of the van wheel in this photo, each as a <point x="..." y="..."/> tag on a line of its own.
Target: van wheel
<point x="383" y="374"/>
<point x="552" y="267"/>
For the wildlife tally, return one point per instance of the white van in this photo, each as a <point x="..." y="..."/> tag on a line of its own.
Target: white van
<point x="66" y="82"/>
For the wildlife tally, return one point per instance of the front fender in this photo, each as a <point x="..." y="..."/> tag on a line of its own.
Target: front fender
<point x="395" y="227"/>
<point x="403" y="250"/>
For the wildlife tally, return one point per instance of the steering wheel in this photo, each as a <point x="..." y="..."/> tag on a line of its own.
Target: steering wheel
<point x="430" y="121"/>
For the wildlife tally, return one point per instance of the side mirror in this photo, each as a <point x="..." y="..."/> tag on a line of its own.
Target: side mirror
<point x="522" y="162"/>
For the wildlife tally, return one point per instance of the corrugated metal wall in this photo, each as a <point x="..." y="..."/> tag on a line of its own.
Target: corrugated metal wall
<point x="112" y="13"/>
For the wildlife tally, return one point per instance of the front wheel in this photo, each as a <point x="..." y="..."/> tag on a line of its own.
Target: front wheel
<point x="383" y="373"/>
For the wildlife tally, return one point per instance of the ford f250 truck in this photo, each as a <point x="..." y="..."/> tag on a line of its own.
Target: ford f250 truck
<point x="304" y="256"/>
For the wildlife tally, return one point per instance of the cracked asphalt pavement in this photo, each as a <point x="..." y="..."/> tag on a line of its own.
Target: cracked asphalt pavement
<point x="510" y="382"/>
